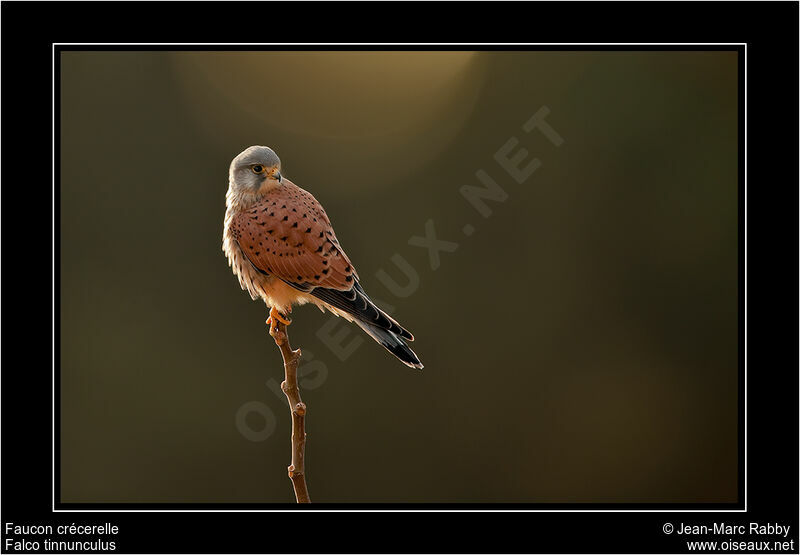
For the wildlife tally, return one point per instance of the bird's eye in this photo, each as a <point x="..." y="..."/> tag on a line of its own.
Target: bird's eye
<point x="258" y="169"/>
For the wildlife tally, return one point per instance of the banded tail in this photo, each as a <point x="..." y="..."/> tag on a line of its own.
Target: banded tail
<point x="379" y="326"/>
<point x="392" y="343"/>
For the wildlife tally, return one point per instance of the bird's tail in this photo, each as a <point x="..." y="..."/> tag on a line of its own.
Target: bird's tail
<point x="392" y="343"/>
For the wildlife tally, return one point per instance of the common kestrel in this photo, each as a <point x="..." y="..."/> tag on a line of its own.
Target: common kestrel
<point x="280" y="244"/>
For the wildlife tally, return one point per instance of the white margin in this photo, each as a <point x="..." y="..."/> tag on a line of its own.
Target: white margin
<point x="433" y="47"/>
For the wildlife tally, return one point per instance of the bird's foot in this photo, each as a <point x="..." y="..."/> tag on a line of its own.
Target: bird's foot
<point x="274" y="318"/>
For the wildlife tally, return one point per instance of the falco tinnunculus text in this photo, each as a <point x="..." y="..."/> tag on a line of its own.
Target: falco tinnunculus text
<point x="281" y="245"/>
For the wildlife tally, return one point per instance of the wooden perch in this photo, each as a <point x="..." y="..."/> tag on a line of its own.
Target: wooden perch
<point x="297" y="470"/>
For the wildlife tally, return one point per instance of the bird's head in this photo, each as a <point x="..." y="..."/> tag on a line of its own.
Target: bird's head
<point x="255" y="170"/>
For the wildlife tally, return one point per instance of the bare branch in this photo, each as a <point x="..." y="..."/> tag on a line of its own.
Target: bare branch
<point x="297" y="470"/>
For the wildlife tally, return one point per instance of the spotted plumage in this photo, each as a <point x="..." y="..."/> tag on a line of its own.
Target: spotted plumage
<point x="281" y="245"/>
<point x="270" y="235"/>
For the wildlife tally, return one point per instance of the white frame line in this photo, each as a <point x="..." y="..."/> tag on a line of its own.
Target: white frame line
<point x="433" y="46"/>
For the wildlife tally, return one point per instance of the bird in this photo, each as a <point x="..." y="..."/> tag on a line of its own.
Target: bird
<point x="280" y="244"/>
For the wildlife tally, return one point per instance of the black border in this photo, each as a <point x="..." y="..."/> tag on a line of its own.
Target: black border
<point x="768" y="28"/>
<point x="739" y="505"/>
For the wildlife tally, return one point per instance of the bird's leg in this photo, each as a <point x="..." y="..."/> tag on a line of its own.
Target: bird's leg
<point x="274" y="313"/>
<point x="274" y="318"/>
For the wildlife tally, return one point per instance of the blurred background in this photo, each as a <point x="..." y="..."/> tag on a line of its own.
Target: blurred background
<point x="580" y="345"/>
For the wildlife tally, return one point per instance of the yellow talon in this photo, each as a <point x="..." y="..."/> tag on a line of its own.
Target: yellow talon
<point x="274" y="314"/>
<point x="275" y="317"/>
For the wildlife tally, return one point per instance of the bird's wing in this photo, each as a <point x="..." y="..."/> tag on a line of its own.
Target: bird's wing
<point x="288" y="235"/>
<point x="355" y="302"/>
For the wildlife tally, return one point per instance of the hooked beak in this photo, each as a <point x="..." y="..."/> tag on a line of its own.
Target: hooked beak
<point x="277" y="175"/>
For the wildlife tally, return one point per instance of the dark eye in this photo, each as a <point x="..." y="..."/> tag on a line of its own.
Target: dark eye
<point x="258" y="169"/>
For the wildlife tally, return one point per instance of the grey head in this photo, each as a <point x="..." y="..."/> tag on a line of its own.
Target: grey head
<point x="253" y="167"/>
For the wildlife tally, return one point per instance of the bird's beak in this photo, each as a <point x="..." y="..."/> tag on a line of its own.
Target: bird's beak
<point x="276" y="175"/>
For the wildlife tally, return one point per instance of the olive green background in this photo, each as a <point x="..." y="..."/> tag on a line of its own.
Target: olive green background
<point x="579" y="346"/>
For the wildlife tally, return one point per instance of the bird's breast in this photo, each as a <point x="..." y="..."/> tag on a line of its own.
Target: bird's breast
<point x="250" y="279"/>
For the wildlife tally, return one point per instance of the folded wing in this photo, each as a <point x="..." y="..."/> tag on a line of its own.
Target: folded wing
<point x="288" y="235"/>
